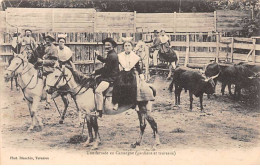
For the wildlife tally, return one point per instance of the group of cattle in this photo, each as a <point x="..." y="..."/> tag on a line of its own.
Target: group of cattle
<point x="242" y="75"/>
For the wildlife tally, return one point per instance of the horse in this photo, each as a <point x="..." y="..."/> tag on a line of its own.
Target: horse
<point x="85" y="95"/>
<point x="30" y="84"/>
<point x="33" y="56"/>
<point x="142" y="50"/>
<point x="167" y="54"/>
<point x="32" y="87"/>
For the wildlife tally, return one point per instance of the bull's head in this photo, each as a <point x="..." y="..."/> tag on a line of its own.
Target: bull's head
<point x="210" y="84"/>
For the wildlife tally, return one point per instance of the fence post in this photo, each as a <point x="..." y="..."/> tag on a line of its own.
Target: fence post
<point x="215" y="20"/>
<point x="174" y="22"/>
<point x="254" y="58"/>
<point x="134" y="21"/>
<point x="232" y="49"/>
<point x="187" y="50"/>
<point x="52" y="21"/>
<point x="217" y="47"/>
<point x="95" y="22"/>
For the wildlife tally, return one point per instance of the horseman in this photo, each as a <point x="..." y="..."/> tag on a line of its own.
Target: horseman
<point x="64" y="53"/>
<point x="130" y="86"/>
<point x="164" y="41"/>
<point x="29" y="42"/>
<point x="156" y="46"/>
<point x="108" y="73"/>
<point x="49" y="60"/>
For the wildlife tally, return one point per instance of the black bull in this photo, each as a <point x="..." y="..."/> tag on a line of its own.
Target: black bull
<point x="242" y="75"/>
<point x="191" y="80"/>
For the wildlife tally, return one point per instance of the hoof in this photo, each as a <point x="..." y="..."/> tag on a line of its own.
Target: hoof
<point x="95" y="146"/>
<point x="61" y="122"/>
<point x="88" y="143"/>
<point x="38" y="128"/>
<point x="30" y="129"/>
<point x="133" y="145"/>
<point x="47" y="106"/>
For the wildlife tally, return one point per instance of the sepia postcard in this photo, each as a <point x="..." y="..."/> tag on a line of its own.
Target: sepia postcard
<point x="130" y="82"/>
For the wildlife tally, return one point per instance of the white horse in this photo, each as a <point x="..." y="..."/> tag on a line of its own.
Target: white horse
<point x="30" y="84"/>
<point x="142" y="50"/>
<point x="84" y="93"/>
<point x="32" y="87"/>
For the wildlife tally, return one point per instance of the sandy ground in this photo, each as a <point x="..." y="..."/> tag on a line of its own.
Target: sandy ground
<point x="225" y="124"/>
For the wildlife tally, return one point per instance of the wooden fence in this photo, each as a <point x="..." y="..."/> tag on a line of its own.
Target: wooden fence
<point x="88" y="20"/>
<point x="195" y="49"/>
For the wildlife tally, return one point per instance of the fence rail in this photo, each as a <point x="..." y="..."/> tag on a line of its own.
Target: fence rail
<point x="195" y="50"/>
<point x="88" y="20"/>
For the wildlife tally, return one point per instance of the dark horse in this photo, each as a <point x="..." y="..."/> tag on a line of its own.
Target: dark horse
<point x="167" y="54"/>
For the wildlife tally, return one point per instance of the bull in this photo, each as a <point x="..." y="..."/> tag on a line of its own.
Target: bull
<point x="222" y="69"/>
<point x="191" y="80"/>
<point x="237" y="74"/>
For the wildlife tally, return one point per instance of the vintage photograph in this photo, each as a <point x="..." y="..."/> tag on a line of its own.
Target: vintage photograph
<point x="130" y="82"/>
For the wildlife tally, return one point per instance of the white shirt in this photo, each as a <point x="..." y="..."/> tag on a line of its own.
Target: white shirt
<point x="127" y="61"/>
<point x="64" y="54"/>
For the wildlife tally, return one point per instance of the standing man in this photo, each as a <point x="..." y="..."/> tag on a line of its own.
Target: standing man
<point x="50" y="58"/>
<point x="108" y="73"/>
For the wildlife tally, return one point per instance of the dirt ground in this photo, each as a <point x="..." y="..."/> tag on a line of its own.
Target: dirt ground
<point x="225" y="124"/>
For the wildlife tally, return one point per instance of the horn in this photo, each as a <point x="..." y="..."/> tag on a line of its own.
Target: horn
<point x="213" y="77"/>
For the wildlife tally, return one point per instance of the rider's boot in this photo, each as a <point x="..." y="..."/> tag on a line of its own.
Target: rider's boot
<point x="100" y="112"/>
<point x="115" y="107"/>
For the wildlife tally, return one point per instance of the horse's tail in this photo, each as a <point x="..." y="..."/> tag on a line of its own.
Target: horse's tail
<point x="153" y="89"/>
<point x="178" y="58"/>
<point x="172" y="83"/>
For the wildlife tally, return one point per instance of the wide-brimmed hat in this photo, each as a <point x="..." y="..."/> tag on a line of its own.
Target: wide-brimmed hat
<point x="27" y="30"/>
<point x="50" y="36"/>
<point x="111" y="40"/>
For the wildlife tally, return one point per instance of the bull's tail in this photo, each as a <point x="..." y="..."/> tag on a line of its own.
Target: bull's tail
<point x="171" y="86"/>
<point x="153" y="89"/>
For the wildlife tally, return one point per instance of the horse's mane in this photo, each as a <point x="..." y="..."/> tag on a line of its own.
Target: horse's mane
<point x="82" y="79"/>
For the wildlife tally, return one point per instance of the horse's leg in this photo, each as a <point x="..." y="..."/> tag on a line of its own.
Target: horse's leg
<point x="153" y="124"/>
<point x="66" y="104"/>
<point x="16" y="83"/>
<point x="12" y="78"/>
<point x="78" y="110"/>
<point x="191" y="100"/>
<point x="170" y="71"/>
<point x="29" y="107"/>
<point x="90" y="134"/>
<point x="97" y="139"/>
<point x="35" y="121"/>
<point x="141" y="116"/>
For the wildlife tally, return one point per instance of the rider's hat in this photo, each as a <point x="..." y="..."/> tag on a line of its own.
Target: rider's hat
<point x="111" y="40"/>
<point x="50" y="36"/>
<point x="62" y="36"/>
<point x="28" y="30"/>
<point x="155" y="31"/>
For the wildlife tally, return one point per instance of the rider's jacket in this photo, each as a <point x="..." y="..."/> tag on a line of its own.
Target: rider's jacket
<point x="50" y="58"/>
<point x="111" y="68"/>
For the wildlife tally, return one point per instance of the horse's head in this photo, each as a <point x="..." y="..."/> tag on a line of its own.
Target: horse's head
<point x="40" y="50"/>
<point x="57" y="79"/>
<point x="16" y="66"/>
